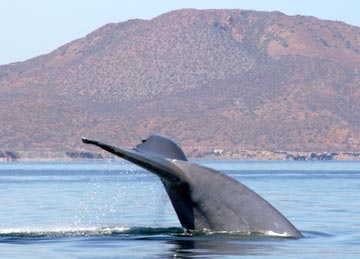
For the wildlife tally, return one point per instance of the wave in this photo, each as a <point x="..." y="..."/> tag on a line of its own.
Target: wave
<point x="87" y="231"/>
<point x="128" y="232"/>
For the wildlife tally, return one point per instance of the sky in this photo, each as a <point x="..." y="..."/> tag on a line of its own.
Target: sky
<point x="29" y="28"/>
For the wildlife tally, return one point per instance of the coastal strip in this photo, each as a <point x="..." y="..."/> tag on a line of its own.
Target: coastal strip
<point x="212" y="154"/>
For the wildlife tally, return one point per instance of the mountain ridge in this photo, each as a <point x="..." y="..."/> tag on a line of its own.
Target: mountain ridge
<point x="208" y="79"/>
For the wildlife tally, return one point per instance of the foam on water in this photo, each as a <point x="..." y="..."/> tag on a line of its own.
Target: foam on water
<point x="60" y="231"/>
<point x="86" y="231"/>
<point x="57" y="232"/>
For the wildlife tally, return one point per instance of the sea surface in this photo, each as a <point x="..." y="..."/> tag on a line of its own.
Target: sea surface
<point x="117" y="210"/>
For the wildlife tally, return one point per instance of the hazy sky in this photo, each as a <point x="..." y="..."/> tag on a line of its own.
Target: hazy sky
<point x="29" y="28"/>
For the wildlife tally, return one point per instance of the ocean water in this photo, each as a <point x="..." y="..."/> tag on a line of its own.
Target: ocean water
<point x="117" y="210"/>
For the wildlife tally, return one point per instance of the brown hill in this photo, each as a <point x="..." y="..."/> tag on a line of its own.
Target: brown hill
<point x="209" y="79"/>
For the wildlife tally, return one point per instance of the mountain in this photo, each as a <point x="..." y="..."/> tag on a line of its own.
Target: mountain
<point x="230" y="79"/>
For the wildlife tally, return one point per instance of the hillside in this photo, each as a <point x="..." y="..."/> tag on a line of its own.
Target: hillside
<point x="231" y="79"/>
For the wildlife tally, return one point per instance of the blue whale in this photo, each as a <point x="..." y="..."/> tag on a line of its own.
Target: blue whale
<point x="204" y="199"/>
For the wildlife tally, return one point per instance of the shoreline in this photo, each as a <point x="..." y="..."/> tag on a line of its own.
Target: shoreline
<point x="215" y="154"/>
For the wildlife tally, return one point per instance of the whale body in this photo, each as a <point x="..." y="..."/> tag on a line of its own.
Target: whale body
<point x="203" y="198"/>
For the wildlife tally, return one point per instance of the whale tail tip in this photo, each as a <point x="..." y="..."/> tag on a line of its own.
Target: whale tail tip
<point x="85" y="140"/>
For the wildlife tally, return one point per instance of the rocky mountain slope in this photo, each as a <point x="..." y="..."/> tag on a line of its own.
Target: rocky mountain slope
<point x="209" y="79"/>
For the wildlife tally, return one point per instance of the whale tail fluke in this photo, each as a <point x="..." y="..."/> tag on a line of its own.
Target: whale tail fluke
<point x="203" y="198"/>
